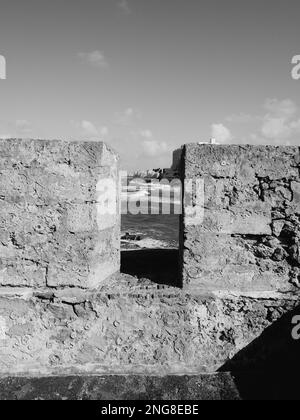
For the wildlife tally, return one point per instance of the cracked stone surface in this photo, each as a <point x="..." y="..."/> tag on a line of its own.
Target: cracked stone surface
<point x="51" y="231"/>
<point x="132" y="326"/>
<point x="217" y="387"/>
<point x="65" y="309"/>
<point x="249" y="237"/>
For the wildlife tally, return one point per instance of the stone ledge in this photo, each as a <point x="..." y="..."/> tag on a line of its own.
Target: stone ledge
<point x="210" y="387"/>
<point x="263" y="385"/>
<point x="137" y="331"/>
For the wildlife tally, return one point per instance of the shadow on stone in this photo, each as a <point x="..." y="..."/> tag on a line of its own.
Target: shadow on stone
<point x="161" y="266"/>
<point x="121" y="387"/>
<point x="269" y="368"/>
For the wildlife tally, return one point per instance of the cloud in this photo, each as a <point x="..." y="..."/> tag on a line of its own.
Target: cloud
<point x="147" y="134"/>
<point x="23" y="126"/>
<point x="154" y="148"/>
<point x="17" y="128"/>
<point x="5" y="136"/>
<point x="281" y="121"/>
<point x="273" y="128"/>
<point x="278" y="124"/>
<point x="129" y="112"/>
<point x="88" y="128"/>
<point x="241" y="118"/>
<point x="104" y="131"/>
<point x="285" y="108"/>
<point x="221" y="133"/>
<point x="127" y="117"/>
<point x="94" y="58"/>
<point x="124" y="6"/>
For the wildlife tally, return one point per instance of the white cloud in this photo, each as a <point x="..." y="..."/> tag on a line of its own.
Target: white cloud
<point x="278" y="124"/>
<point x="274" y="128"/>
<point x="15" y="129"/>
<point x="285" y="108"/>
<point x="88" y="128"/>
<point x="23" y="126"/>
<point x="124" y="6"/>
<point x="154" y="148"/>
<point x="240" y="118"/>
<point x="127" y="117"/>
<point x="281" y="121"/>
<point x="5" y="136"/>
<point x="95" y="58"/>
<point x="129" y="112"/>
<point x="104" y="131"/>
<point x="147" y="134"/>
<point x="221" y="133"/>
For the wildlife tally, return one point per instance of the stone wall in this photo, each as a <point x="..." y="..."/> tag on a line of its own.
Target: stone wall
<point x="130" y="327"/>
<point x="247" y="237"/>
<point x="62" y="313"/>
<point x="52" y="231"/>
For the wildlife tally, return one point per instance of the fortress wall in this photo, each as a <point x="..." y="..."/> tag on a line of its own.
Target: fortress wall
<point x="52" y="230"/>
<point x="129" y="328"/>
<point x="61" y="313"/>
<point x="243" y="234"/>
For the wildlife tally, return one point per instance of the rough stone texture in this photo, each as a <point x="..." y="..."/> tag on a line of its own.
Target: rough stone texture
<point x="263" y="385"/>
<point x="249" y="238"/>
<point x="51" y="231"/>
<point x="131" y="326"/>
<point x="241" y="267"/>
<point x="146" y="388"/>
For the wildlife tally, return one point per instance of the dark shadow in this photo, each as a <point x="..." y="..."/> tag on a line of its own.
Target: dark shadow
<point x="161" y="266"/>
<point x="269" y="368"/>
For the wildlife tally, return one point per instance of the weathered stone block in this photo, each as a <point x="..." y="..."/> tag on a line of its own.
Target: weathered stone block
<point x="223" y="262"/>
<point x="232" y="223"/>
<point x="242" y="162"/>
<point x="51" y="214"/>
<point x="22" y="273"/>
<point x="245" y="237"/>
<point x="130" y="329"/>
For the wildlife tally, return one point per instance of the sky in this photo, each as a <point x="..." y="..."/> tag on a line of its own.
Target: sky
<point x="147" y="76"/>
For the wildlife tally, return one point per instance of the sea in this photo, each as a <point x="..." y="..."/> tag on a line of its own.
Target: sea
<point x="150" y="215"/>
